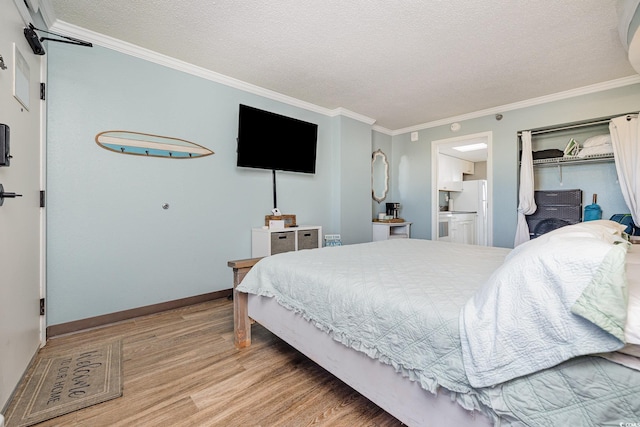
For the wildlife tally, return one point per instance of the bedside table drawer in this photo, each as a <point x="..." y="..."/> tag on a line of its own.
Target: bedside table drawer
<point x="284" y="241"/>
<point x="265" y="241"/>
<point x="307" y="239"/>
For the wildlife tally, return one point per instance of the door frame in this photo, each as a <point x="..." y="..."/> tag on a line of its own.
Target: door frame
<point x="22" y="218"/>
<point x="27" y="18"/>
<point x="43" y="209"/>
<point x="435" y="150"/>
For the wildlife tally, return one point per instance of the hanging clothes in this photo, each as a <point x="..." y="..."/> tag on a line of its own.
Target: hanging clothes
<point x="625" y="137"/>
<point x="526" y="201"/>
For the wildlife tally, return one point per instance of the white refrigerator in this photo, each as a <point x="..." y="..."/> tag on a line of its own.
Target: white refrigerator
<point x="473" y="198"/>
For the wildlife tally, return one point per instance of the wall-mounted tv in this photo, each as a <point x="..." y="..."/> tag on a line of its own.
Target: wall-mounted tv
<point x="271" y="141"/>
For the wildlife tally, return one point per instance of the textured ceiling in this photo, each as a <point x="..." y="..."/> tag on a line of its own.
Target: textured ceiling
<point x="402" y="63"/>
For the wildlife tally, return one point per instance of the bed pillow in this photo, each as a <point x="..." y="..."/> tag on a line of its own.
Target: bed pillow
<point x="628" y="356"/>
<point x="603" y="229"/>
<point x="553" y="299"/>
<point x="607" y="230"/>
<point x="593" y="151"/>
<point x="600" y="144"/>
<point x="604" y="225"/>
<point x="594" y="141"/>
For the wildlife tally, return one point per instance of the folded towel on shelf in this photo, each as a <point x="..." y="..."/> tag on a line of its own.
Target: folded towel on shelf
<point x="547" y="154"/>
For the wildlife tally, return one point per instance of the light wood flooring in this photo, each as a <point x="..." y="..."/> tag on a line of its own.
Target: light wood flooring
<point x="181" y="369"/>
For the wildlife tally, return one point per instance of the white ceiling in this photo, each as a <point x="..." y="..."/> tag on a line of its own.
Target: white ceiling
<point x="401" y="63"/>
<point x="479" y="155"/>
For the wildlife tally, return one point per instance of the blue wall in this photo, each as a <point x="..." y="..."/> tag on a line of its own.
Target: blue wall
<point x="355" y="172"/>
<point x="110" y="245"/>
<point x="411" y="170"/>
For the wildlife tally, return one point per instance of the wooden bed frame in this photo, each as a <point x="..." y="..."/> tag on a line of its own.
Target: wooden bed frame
<point x="379" y="382"/>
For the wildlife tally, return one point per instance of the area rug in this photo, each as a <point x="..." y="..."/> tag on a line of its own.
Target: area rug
<point x="64" y="383"/>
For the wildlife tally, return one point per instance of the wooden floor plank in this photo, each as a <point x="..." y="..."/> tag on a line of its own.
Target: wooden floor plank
<point x="181" y="369"/>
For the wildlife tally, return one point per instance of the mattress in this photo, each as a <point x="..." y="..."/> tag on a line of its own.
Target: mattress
<point x="399" y="301"/>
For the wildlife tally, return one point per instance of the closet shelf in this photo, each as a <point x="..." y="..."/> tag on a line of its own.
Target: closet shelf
<point x="573" y="160"/>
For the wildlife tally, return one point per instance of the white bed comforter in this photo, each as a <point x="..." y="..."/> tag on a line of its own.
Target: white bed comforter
<point x="393" y="300"/>
<point x="399" y="301"/>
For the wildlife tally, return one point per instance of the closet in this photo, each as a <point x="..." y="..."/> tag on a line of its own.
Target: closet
<point x="591" y="170"/>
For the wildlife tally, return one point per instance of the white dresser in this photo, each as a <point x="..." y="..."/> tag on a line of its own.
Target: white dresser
<point x="265" y="242"/>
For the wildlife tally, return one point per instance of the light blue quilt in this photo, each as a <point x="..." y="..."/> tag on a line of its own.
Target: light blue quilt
<point x="399" y="301"/>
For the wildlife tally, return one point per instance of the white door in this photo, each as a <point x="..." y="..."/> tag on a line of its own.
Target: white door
<point x="20" y="217"/>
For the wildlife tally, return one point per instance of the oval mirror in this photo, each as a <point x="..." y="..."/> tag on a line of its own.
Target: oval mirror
<point x="379" y="176"/>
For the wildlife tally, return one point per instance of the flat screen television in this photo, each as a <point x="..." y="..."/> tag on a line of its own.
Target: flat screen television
<point x="271" y="141"/>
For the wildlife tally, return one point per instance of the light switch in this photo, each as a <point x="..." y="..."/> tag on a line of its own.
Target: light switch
<point x="414" y="136"/>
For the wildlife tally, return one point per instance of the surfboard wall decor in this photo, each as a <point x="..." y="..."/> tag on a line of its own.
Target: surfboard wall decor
<point x="144" y="144"/>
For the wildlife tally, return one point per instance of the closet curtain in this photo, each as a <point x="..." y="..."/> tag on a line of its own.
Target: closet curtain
<point x="625" y="138"/>
<point x="526" y="201"/>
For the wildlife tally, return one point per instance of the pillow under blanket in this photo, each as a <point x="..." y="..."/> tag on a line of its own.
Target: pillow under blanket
<point x="556" y="297"/>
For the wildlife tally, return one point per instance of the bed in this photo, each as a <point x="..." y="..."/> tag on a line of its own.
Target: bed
<point x="438" y="333"/>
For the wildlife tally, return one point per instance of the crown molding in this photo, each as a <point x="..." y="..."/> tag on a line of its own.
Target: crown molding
<point x="65" y="28"/>
<point x="382" y="129"/>
<point x="348" y="113"/>
<point x="130" y="49"/>
<point x="585" y="90"/>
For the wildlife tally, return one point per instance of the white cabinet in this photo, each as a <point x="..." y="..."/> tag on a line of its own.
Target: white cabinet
<point x="265" y="242"/>
<point x="450" y="171"/>
<point x="466" y="167"/>
<point x="391" y="230"/>
<point x="462" y="228"/>
<point x="450" y="186"/>
<point x="447" y="175"/>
